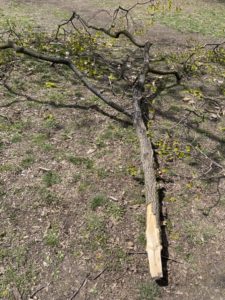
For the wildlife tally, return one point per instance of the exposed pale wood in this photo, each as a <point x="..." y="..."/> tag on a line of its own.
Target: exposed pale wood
<point x="153" y="246"/>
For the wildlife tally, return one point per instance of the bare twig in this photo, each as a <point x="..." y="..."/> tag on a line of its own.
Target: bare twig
<point x="206" y="211"/>
<point x="99" y="274"/>
<point x="16" y="293"/>
<point x="172" y="259"/>
<point x="166" y="73"/>
<point x="37" y="291"/>
<point x="83" y="283"/>
<point x="214" y="45"/>
<point x="209" y="158"/>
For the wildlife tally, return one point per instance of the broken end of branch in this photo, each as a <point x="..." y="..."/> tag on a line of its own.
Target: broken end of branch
<point x="154" y="246"/>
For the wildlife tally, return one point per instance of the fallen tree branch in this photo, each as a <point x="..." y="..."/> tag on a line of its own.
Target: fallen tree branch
<point x="140" y="122"/>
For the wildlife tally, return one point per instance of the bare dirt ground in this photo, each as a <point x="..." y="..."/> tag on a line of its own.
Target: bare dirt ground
<point x="72" y="211"/>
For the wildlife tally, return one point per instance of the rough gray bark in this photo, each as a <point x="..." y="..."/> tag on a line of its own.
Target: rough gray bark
<point x="153" y="235"/>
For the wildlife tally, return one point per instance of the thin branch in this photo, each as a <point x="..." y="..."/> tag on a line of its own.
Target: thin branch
<point x="127" y="11"/>
<point x="212" y="160"/>
<point x="83" y="283"/>
<point x="206" y="211"/>
<point x="37" y="291"/>
<point x="172" y="259"/>
<point x="69" y="63"/>
<point x="100" y="273"/>
<point x="164" y="73"/>
<point x="215" y="45"/>
<point x="171" y="117"/>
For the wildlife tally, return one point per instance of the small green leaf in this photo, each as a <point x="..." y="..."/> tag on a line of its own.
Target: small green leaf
<point x="50" y="84"/>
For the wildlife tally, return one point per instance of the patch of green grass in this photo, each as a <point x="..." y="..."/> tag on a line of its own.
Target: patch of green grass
<point x="27" y="162"/>
<point x="14" y="20"/>
<point x="189" y="257"/>
<point x="16" y="138"/>
<point x="100" y="143"/>
<point x="98" y="201"/>
<point x="22" y="280"/>
<point x="1" y="144"/>
<point x="96" y="235"/>
<point x="2" y="191"/>
<point x="61" y="14"/>
<point x="141" y="219"/>
<point x="16" y="127"/>
<point x="222" y="201"/>
<point x="78" y="161"/>
<point x="207" y="21"/>
<point x="112" y="209"/>
<point x="50" y="178"/>
<point x="52" y="237"/>
<point x="3" y="253"/>
<point x="41" y="140"/>
<point x="179" y="249"/>
<point x="102" y="173"/>
<point x="57" y="97"/>
<point x="7" y="168"/>
<point x="18" y="272"/>
<point x="113" y="132"/>
<point x="83" y="186"/>
<point x="78" y="94"/>
<point x="198" y="234"/>
<point x="50" y="121"/>
<point x="149" y="291"/>
<point x="48" y="197"/>
<point x="115" y="210"/>
<point x="208" y="232"/>
<point x="76" y="178"/>
<point x="47" y="147"/>
<point x="141" y="239"/>
<point x="119" y="256"/>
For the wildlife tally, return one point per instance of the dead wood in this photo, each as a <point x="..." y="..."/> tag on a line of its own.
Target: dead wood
<point x="153" y="238"/>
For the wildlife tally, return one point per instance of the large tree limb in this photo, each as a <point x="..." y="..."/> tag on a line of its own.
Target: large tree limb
<point x="153" y="236"/>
